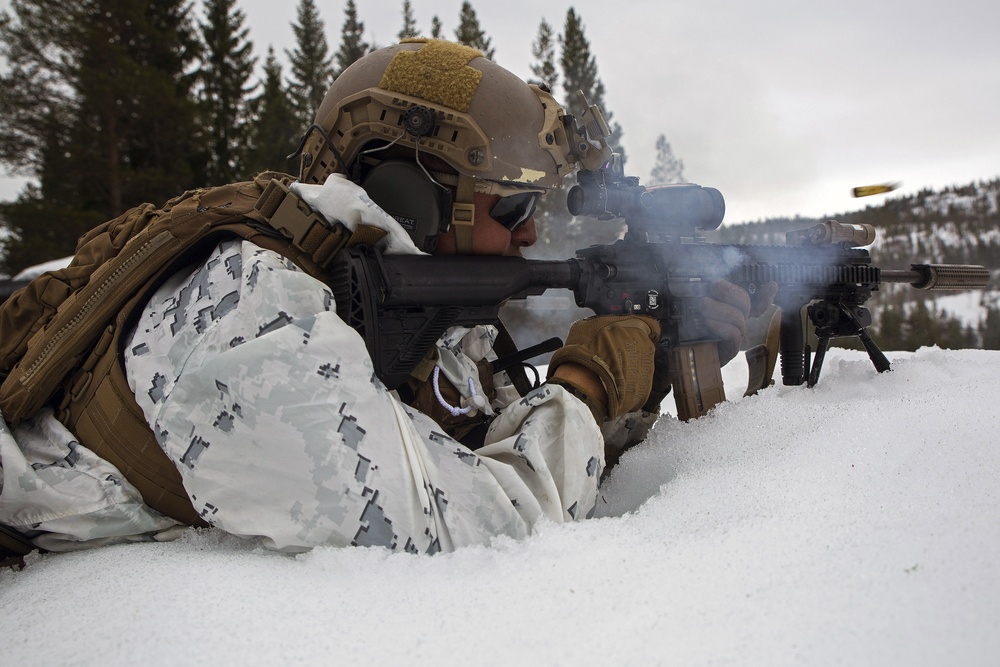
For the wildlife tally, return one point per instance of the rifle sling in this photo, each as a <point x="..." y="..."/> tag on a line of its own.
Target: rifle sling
<point x="510" y="359"/>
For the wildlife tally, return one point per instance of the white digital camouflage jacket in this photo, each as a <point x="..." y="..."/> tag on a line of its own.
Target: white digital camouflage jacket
<point x="268" y="404"/>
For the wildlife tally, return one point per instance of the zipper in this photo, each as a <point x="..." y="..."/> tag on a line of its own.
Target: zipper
<point x="117" y="280"/>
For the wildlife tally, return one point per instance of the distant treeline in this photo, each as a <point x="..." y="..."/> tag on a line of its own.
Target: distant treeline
<point x="956" y="225"/>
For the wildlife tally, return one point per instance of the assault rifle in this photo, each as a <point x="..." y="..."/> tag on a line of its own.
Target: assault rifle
<point x="662" y="267"/>
<point x="402" y="304"/>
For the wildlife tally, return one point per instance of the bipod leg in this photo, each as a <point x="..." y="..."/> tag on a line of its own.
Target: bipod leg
<point x="879" y="360"/>
<point x="817" y="364"/>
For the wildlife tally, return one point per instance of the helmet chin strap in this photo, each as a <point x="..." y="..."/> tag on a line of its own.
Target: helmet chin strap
<point x="463" y="214"/>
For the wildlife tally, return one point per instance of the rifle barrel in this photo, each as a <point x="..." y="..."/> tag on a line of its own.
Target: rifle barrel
<point x="940" y="276"/>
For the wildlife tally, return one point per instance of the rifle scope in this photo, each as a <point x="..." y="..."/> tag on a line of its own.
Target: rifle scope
<point x="683" y="205"/>
<point x="680" y="204"/>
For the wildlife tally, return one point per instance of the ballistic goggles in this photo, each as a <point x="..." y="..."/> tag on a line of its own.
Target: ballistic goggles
<point x="517" y="201"/>
<point x="513" y="210"/>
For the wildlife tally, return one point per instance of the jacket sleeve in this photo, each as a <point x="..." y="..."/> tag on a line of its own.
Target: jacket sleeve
<point x="268" y="404"/>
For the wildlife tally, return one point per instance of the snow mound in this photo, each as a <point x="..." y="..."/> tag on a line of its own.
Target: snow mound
<point x="855" y="523"/>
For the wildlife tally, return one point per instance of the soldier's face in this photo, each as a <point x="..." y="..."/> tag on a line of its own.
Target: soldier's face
<point x="489" y="237"/>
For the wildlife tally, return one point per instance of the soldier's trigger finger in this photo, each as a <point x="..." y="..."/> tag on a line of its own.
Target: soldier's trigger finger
<point x="763" y="298"/>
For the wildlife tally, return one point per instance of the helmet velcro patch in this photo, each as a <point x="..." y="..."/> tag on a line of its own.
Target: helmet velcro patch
<point x="438" y="72"/>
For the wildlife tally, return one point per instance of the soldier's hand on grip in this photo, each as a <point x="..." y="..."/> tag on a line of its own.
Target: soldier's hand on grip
<point x="726" y="310"/>
<point x="619" y="350"/>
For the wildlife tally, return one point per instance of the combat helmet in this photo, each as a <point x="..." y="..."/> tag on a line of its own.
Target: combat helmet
<point x="493" y="132"/>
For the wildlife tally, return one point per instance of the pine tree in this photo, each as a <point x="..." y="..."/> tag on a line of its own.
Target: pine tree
<point x="990" y="329"/>
<point x="310" y="64"/>
<point x="225" y="83"/>
<point x="352" y="47"/>
<point x="36" y="97"/>
<point x="668" y="168"/>
<point x="889" y="322"/>
<point x="409" y="23"/>
<point x="274" y="131"/>
<point x="579" y="68"/>
<point x="437" y="29"/>
<point x="559" y="234"/>
<point x="94" y="104"/>
<point x="470" y="33"/>
<point x="544" y="49"/>
<point x="920" y="327"/>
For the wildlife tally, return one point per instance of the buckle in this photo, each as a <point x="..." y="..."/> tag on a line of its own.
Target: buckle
<point x="287" y="214"/>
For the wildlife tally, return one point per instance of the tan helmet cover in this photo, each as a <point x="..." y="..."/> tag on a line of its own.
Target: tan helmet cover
<point x="488" y="123"/>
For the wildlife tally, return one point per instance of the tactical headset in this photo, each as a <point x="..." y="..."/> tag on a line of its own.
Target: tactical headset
<point x="423" y="205"/>
<point x="405" y="191"/>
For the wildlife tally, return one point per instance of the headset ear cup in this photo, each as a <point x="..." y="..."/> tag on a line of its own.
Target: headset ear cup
<point x="403" y="190"/>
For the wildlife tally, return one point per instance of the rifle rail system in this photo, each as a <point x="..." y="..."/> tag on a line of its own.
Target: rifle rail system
<point x="402" y="304"/>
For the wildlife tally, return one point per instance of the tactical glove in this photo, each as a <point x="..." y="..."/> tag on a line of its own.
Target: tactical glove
<point x="619" y="351"/>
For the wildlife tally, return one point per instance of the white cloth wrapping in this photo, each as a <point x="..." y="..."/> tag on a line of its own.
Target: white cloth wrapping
<point x="340" y="199"/>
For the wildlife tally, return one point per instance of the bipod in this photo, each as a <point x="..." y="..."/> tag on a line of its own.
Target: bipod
<point x="836" y="320"/>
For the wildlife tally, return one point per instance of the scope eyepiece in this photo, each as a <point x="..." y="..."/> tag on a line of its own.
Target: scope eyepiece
<point x="607" y="202"/>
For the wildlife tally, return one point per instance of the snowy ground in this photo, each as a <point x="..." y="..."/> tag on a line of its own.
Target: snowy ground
<point x="857" y="523"/>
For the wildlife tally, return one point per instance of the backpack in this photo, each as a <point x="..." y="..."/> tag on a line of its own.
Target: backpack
<point x="62" y="335"/>
<point x="13" y="548"/>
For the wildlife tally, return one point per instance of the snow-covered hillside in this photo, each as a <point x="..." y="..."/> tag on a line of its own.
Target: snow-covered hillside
<point x="856" y="523"/>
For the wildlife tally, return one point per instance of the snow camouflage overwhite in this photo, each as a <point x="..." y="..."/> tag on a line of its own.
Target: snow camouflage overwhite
<point x="267" y="403"/>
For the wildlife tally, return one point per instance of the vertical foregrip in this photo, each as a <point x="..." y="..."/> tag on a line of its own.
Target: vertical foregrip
<point x="793" y="353"/>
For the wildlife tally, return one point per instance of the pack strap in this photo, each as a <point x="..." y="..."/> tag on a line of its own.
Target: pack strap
<point x="294" y="219"/>
<point x="463" y="213"/>
<point x="286" y="213"/>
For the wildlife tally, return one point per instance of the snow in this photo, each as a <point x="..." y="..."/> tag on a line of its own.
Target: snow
<point x="33" y="272"/>
<point x="967" y="307"/>
<point x="855" y="523"/>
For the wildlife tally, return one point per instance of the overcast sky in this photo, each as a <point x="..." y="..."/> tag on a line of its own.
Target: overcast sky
<point x="783" y="105"/>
